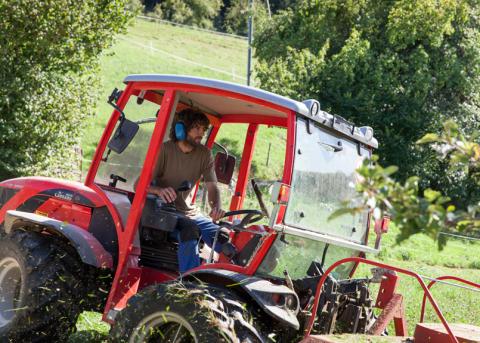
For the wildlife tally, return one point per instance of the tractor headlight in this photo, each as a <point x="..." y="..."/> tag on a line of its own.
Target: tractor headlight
<point x="287" y="301"/>
<point x="367" y="132"/>
<point x="313" y="107"/>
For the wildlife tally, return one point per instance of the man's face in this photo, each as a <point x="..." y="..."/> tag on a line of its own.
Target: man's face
<point x="195" y="134"/>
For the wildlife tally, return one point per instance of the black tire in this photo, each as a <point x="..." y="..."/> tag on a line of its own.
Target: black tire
<point x="199" y="313"/>
<point x="40" y="288"/>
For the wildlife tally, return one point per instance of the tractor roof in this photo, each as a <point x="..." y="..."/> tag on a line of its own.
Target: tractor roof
<point x="225" y="107"/>
<point x="293" y="105"/>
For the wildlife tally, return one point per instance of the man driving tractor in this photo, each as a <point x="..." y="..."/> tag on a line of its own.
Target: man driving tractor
<point x="184" y="158"/>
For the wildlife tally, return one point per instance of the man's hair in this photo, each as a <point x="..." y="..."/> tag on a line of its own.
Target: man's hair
<point x="190" y="117"/>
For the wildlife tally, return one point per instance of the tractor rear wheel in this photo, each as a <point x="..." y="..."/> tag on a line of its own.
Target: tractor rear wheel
<point x="40" y="288"/>
<point x="184" y="312"/>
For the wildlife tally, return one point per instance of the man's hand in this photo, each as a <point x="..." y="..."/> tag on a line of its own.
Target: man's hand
<point x="167" y="194"/>
<point x="216" y="214"/>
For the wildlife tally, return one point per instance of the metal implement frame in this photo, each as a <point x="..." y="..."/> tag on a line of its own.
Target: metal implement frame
<point x="359" y="260"/>
<point x="438" y="279"/>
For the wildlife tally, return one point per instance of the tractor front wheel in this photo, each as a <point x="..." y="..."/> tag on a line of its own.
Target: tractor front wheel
<point x="184" y="312"/>
<point x="40" y="288"/>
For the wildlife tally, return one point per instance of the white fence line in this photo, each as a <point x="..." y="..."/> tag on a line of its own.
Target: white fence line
<point x="191" y="27"/>
<point x="151" y="48"/>
<point x="459" y="236"/>
<point x="449" y="283"/>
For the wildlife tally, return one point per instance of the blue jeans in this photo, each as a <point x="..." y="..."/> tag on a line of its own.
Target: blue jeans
<point x="188" y="256"/>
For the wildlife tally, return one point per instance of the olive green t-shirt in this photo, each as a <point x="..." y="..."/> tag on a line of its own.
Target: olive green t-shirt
<point x="174" y="166"/>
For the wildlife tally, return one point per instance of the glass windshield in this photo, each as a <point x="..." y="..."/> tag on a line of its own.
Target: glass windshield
<point x="296" y="254"/>
<point x="129" y="163"/>
<point x="323" y="178"/>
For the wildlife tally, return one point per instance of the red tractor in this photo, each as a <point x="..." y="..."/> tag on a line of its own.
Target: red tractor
<point x="66" y="247"/>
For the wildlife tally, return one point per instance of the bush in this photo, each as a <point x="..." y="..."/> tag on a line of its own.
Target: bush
<point x="191" y="12"/>
<point x="236" y="17"/>
<point x="402" y="67"/>
<point x="48" y="64"/>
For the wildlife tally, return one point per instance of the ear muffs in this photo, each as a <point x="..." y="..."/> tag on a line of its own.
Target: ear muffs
<point x="180" y="131"/>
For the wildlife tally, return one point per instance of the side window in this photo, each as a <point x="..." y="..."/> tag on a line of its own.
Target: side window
<point x="267" y="165"/>
<point x="266" y="168"/>
<point x="231" y="137"/>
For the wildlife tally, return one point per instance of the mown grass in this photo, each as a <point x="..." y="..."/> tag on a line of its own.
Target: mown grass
<point x="420" y="248"/>
<point x="420" y="254"/>
<point x="457" y="304"/>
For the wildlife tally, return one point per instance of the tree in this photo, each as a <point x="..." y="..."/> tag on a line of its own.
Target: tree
<point x="431" y="212"/>
<point x="191" y="12"/>
<point x="48" y="63"/>
<point x="236" y="16"/>
<point x="402" y="67"/>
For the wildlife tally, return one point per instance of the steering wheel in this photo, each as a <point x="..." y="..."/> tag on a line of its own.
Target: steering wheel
<point x="251" y="216"/>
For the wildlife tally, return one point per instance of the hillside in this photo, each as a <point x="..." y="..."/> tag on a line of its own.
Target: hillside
<point x="151" y="47"/>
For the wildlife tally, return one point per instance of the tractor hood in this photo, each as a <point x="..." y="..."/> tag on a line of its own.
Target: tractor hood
<point x="72" y="191"/>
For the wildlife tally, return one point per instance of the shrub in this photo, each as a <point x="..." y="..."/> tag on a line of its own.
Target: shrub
<point x="236" y="16"/>
<point x="191" y="12"/>
<point x="402" y="67"/>
<point x="48" y="64"/>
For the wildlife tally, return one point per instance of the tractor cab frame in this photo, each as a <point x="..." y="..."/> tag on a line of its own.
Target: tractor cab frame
<point x="322" y="152"/>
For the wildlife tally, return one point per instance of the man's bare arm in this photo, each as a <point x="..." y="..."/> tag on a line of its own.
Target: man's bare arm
<point x="167" y="194"/>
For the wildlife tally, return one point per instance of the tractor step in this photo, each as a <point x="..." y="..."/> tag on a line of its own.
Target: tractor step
<point x="435" y="332"/>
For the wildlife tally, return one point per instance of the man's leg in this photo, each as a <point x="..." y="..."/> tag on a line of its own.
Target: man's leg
<point x="187" y="236"/>
<point x="208" y="231"/>
<point x="188" y="255"/>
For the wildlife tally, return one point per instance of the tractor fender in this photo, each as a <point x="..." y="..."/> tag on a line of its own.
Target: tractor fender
<point x="278" y="301"/>
<point x="87" y="246"/>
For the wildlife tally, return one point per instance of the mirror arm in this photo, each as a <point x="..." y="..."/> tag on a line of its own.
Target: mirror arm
<point x="221" y="147"/>
<point x="114" y="97"/>
<point x="105" y="159"/>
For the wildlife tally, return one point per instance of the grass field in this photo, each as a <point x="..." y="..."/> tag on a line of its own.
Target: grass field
<point x="153" y="48"/>
<point x="149" y="48"/>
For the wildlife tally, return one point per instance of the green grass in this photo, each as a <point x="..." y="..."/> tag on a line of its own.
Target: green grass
<point x="419" y="253"/>
<point x="129" y="57"/>
<point x="90" y="328"/>
<point x="135" y="53"/>
<point x="423" y="249"/>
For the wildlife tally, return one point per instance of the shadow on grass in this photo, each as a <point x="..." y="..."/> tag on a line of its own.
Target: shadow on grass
<point x="87" y="336"/>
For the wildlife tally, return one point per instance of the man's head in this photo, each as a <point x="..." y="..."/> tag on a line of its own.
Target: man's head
<point x="196" y="124"/>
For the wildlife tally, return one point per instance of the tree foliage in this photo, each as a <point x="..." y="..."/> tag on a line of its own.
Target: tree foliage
<point x="190" y="12"/>
<point x="48" y="63"/>
<point x="236" y="16"/>
<point x="402" y="67"/>
<point x="432" y="211"/>
<point x="223" y="15"/>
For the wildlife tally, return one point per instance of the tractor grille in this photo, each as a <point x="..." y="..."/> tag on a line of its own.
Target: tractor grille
<point x="163" y="256"/>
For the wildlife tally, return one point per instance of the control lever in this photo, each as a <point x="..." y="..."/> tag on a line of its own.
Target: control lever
<point x="115" y="179"/>
<point x="170" y="206"/>
<point x="184" y="186"/>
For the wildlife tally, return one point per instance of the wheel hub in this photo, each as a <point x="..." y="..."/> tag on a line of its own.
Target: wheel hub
<point x="166" y="327"/>
<point x="10" y="286"/>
